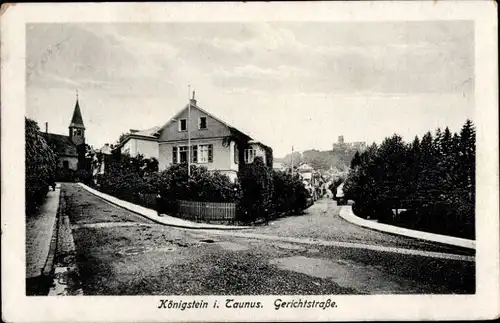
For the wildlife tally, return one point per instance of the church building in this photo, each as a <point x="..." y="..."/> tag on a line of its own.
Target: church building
<point x="69" y="149"/>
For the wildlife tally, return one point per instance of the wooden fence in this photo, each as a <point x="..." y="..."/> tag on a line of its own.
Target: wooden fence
<point x="206" y="211"/>
<point x="147" y="200"/>
<point x="194" y="211"/>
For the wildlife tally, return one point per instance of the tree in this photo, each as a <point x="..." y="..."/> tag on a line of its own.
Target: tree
<point x="289" y="195"/>
<point x="256" y="183"/>
<point x="294" y="158"/>
<point x="122" y="137"/>
<point x="40" y="165"/>
<point x="356" y="160"/>
<point x="433" y="178"/>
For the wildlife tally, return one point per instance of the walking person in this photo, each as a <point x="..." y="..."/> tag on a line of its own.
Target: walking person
<point x="159" y="204"/>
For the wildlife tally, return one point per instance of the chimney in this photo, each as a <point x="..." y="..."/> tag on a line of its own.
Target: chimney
<point x="193" y="100"/>
<point x="46" y="128"/>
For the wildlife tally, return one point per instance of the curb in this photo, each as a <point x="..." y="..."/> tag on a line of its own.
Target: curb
<point x="66" y="279"/>
<point x="347" y="214"/>
<point x="141" y="210"/>
<point x="48" y="268"/>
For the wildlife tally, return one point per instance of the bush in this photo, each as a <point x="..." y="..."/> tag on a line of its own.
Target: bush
<point x="257" y="190"/>
<point x="84" y="176"/>
<point x="201" y="186"/>
<point x="65" y="175"/>
<point x="290" y="195"/>
<point x="40" y="162"/>
<point x="258" y="193"/>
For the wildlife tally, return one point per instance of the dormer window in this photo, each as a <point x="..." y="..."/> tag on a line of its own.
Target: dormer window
<point x="202" y="123"/>
<point x="182" y="125"/>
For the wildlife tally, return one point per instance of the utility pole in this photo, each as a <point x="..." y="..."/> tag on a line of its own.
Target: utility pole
<point x="189" y="131"/>
<point x="292" y="160"/>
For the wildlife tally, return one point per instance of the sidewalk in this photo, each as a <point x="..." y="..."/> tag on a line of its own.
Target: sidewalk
<point x="347" y="214"/>
<point x="39" y="232"/>
<point x="164" y="219"/>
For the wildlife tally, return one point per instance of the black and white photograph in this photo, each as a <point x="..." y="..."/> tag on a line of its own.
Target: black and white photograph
<point x="253" y="165"/>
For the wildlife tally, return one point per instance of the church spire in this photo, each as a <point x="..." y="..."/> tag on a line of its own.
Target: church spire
<point x="77" y="120"/>
<point x="76" y="127"/>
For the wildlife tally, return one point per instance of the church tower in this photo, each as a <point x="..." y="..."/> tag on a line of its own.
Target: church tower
<point x="76" y="127"/>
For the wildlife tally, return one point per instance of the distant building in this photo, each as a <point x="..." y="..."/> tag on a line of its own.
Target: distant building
<point x="279" y="166"/>
<point x="101" y="157"/>
<point x="70" y="149"/>
<point x="356" y="145"/>
<point x="306" y="172"/>
<point x="144" y="142"/>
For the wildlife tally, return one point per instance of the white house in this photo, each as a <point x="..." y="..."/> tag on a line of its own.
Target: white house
<point x="144" y="142"/>
<point x="215" y="144"/>
<point x="306" y="172"/>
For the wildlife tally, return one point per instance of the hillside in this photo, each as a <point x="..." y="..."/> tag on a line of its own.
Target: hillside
<point x="339" y="158"/>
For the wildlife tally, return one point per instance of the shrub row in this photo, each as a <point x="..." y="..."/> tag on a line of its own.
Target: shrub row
<point x="259" y="191"/>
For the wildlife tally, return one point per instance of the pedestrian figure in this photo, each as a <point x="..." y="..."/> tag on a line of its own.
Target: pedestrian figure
<point x="158" y="204"/>
<point x="53" y="184"/>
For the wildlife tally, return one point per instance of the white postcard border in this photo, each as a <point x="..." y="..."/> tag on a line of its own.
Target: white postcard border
<point x="17" y="307"/>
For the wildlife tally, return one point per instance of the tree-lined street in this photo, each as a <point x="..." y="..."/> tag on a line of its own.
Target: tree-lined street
<point x="122" y="253"/>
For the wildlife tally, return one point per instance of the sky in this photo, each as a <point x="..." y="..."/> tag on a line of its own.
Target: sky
<point x="299" y="84"/>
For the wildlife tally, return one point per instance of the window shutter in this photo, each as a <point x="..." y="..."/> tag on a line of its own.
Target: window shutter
<point x="174" y="155"/>
<point x="194" y="153"/>
<point x="210" y="153"/>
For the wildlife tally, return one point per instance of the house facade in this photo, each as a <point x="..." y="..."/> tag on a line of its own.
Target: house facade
<point x="214" y="144"/>
<point x="144" y="142"/>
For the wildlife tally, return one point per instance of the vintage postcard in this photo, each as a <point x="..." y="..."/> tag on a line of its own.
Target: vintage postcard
<point x="310" y="161"/>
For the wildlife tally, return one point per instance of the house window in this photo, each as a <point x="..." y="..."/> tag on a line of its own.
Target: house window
<point x="174" y="155"/>
<point x="65" y="164"/>
<point x="194" y="154"/>
<point x="249" y="155"/>
<point x="180" y="154"/>
<point x="78" y="132"/>
<point x="183" y="154"/>
<point x="202" y="124"/>
<point x="182" y="125"/>
<point x="205" y="154"/>
<point x="236" y="155"/>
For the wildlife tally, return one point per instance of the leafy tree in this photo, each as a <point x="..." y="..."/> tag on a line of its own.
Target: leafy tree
<point x="40" y="165"/>
<point x="256" y="182"/>
<point x="122" y="137"/>
<point x="289" y="195"/>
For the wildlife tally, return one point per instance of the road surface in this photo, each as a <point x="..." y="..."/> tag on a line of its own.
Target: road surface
<point x="122" y="253"/>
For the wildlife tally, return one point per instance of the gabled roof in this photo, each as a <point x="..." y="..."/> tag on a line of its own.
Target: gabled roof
<point x="195" y="106"/>
<point x="146" y="133"/>
<point x="77" y="120"/>
<point x="151" y="133"/>
<point x="61" y="145"/>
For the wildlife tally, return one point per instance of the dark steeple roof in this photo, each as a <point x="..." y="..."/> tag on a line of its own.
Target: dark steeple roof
<point x="77" y="120"/>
